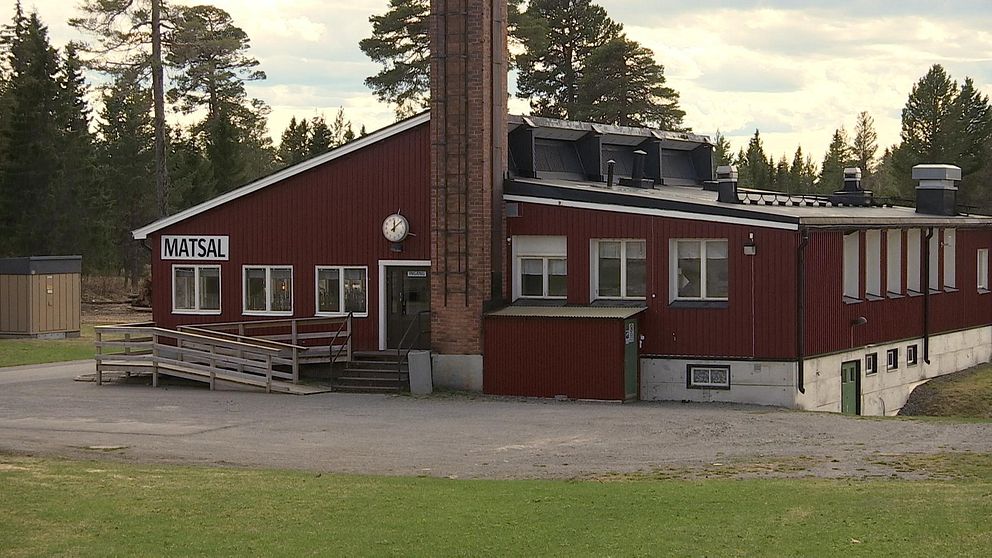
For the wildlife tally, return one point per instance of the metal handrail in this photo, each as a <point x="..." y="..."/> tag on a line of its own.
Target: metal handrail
<point x="347" y="342"/>
<point x="401" y="357"/>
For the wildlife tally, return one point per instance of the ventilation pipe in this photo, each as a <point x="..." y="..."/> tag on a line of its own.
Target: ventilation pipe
<point x="937" y="193"/>
<point x="726" y="177"/>
<point x="611" y="167"/>
<point x="637" y="173"/>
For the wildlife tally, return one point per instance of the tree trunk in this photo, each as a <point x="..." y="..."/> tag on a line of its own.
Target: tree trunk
<point x="158" y="95"/>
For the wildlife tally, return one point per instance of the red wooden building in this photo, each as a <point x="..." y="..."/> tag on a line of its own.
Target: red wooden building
<point x="547" y="252"/>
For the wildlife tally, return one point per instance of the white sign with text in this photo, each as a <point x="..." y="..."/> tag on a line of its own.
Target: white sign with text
<point x="200" y="248"/>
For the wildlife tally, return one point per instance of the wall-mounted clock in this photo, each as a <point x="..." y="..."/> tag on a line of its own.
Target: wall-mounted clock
<point x="395" y="228"/>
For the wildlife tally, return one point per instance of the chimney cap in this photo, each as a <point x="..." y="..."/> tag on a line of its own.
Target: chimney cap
<point x="640" y="152"/>
<point x="936" y="172"/>
<point x="727" y="172"/>
<point x="852" y="172"/>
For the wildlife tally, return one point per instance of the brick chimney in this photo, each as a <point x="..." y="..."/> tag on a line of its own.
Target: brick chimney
<point x="468" y="165"/>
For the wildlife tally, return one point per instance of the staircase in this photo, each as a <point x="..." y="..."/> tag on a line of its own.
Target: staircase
<point x="374" y="372"/>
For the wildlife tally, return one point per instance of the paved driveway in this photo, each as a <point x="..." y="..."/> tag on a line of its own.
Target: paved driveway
<point x="43" y="411"/>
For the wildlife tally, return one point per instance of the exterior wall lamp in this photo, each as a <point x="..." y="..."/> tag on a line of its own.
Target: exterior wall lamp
<point x="750" y="248"/>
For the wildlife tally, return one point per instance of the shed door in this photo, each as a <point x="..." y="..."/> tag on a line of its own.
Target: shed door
<point x="631" y="358"/>
<point x="849" y="387"/>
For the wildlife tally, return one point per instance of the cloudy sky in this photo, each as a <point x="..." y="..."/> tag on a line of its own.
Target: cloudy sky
<point x="794" y="69"/>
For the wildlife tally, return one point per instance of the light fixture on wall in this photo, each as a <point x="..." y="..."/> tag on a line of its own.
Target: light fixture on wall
<point x="859" y="321"/>
<point x="750" y="248"/>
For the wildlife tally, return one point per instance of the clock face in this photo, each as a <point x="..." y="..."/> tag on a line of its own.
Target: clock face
<point x="395" y="228"/>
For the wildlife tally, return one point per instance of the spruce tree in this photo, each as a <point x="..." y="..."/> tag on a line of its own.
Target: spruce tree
<point x="864" y="149"/>
<point x="622" y="84"/>
<point x="294" y="146"/>
<point x="754" y="170"/>
<point x="722" y="155"/>
<point x="837" y="158"/>
<point x="802" y="172"/>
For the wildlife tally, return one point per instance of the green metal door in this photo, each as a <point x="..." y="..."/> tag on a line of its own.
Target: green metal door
<point x="849" y="387"/>
<point x="631" y="357"/>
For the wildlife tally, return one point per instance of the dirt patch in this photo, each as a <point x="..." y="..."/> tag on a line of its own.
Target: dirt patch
<point x="117" y="313"/>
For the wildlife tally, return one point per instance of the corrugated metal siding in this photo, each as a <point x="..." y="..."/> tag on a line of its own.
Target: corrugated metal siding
<point x="537" y="357"/>
<point x="329" y="215"/>
<point x="828" y="318"/>
<point x="759" y="321"/>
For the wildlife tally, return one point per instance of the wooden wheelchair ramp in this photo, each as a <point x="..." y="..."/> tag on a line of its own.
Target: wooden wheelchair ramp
<point x="209" y="356"/>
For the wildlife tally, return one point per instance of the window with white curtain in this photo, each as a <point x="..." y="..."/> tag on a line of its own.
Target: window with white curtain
<point x="950" y="259"/>
<point x="913" y="261"/>
<point x="852" y="259"/>
<point x="893" y="261"/>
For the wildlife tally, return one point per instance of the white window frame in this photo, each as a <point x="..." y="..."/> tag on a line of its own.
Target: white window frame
<point x="852" y="271"/>
<point x="268" y="291"/>
<point x="673" y="271"/>
<point x="912" y="355"/>
<point x="983" y="270"/>
<point x="691" y="383"/>
<point x="892" y="359"/>
<point x="545" y="247"/>
<point x="871" y="363"/>
<point x="893" y="261"/>
<point x="594" y="271"/>
<point x="545" y="276"/>
<point x="935" y="274"/>
<point x="873" y="263"/>
<point x="914" y="261"/>
<point x="950" y="248"/>
<point x="340" y="269"/>
<point x="196" y="290"/>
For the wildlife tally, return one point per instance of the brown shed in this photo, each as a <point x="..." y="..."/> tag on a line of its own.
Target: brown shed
<point x="39" y="296"/>
<point x="580" y="352"/>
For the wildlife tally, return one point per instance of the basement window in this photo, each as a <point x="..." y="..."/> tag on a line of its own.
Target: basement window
<point x="342" y="290"/>
<point x="268" y="290"/>
<point x="983" y="270"/>
<point x="911" y="359"/>
<point x="892" y="359"/>
<point x="699" y="270"/>
<point x="871" y="364"/>
<point x="196" y="289"/>
<point x="699" y="376"/>
<point x="619" y="269"/>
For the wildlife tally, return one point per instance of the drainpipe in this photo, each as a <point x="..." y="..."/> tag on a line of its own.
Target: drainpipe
<point x="926" y="296"/>
<point x="801" y="309"/>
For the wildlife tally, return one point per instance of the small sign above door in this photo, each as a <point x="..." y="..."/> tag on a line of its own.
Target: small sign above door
<point x="416" y="274"/>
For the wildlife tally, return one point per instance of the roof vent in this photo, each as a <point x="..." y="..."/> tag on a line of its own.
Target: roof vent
<point x="636" y="179"/>
<point x="852" y="194"/>
<point x="726" y="177"/>
<point x="937" y="193"/>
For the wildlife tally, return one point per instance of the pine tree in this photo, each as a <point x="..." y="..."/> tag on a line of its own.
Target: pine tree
<point x="401" y="44"/>
<point x="623" y="85"/>
<point x="133" y="30"/>
<point x="558" y="37"/>
<point x="928" y="120"/>
<point x="837" y="158"/>
<point x="864" y="149"/>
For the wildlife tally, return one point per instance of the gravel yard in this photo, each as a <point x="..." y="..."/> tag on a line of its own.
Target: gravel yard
<point x="43" y="411"/>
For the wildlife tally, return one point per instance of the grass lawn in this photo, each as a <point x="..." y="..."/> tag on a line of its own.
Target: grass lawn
<point x="15" y="352"/>
<point x="53" y="507"/>
<point x="964" y="394"/>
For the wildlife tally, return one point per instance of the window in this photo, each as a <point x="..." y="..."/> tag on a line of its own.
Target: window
<point x="707" y="377"/>
<point x="700" y="270"/>
<point x="873" y="264"/>
<point x="619" y="269"/>
<point x="268" y="290"/>
<point x="911" y="355"/>
<point x="892" y="359"/>
<point x="950" y="259"/>
<point x="196" y="289"/>
<point x="852" y="278"/>
<point x="342" y="290"/>
<point x="543" y="277"/>
<point x="540" y="268"/>
<point x="983" y="270"/>
<point x="934" y="245"/>
<point x="871" y="363"/>
<point x="913" y="276"/>
<point x="893" y="261"/>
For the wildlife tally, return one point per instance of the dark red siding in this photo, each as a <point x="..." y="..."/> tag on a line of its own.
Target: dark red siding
<point x="545" y="357"/>
<point x="328" y="215"/>
<point x="828" y="318"/>
<point x="759" y="321"/>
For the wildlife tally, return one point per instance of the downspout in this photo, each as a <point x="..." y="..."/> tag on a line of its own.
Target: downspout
<point x="801" y="309"/>
<point x="926" y="296"/>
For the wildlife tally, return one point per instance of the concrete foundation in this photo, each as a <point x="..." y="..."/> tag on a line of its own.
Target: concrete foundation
<point x="774" y="383"/>
<point x="459" y="372"/>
